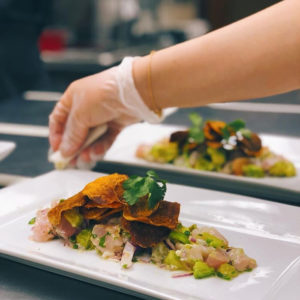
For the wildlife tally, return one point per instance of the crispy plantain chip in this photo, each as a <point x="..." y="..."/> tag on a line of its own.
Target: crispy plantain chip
<point x="109" y="212"/>
<point x="54" y="214"/>
<point x="93" y="213"/>
<point x="213" y="130"/>
<point x="106" y="189"/>
<point x="166" y="215"/>
<point x="145" y="235"/>
<point x="92" y="204"/>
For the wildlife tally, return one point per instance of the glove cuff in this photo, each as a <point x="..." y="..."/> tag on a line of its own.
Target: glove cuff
<point x="129" y="95"/>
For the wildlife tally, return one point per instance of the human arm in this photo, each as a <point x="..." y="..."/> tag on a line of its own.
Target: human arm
<point x="255" y="57"/>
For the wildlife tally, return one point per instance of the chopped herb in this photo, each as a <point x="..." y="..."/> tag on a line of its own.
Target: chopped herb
<point x="102" y="240"/>
<point x="187" y="233"/>
<point x="234" y="126"/>
<point x="196" y="132"/>
<point x="75" y="246"/>
<point x="137" y="187"/>
<point x="32" y="221"/>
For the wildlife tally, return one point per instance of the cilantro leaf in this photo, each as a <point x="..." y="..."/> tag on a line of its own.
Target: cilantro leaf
<point x="32" y="221"/>
<point x="237" y="125"/>
<point x="137" y="187"/>
<point x="196" y="119"/>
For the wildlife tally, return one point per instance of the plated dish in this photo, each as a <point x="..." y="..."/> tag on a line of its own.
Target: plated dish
<point x="229" y="148"/>
<point x="245" y="221"/>
<point x="284" y="189"/>
<point x="127" y="219"/>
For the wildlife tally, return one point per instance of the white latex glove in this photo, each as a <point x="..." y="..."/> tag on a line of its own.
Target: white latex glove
<point x="109" y="97"/>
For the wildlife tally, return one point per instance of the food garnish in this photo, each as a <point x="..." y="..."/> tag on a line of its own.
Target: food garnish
<point x="127" y="219"/>
<point x="217" y="146"/>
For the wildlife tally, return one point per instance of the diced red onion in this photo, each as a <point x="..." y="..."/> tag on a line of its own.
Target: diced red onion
<point x="127" y="255"/>
<point x="182" y="275"/>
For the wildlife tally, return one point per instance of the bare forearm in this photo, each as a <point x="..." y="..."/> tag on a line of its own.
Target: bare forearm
<point x="255" y="57"/>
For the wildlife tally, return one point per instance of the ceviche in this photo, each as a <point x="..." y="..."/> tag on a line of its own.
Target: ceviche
<point x="127" y="219"/>
<point x="229" y="148"/>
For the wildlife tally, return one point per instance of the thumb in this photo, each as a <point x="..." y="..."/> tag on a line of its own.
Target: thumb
<point x="74" y="135"/>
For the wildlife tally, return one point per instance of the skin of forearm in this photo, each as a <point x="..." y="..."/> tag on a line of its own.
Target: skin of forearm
<point x="255" y="57"/>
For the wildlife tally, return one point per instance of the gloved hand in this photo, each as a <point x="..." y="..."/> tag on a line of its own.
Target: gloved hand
<point x="109" y="97"/>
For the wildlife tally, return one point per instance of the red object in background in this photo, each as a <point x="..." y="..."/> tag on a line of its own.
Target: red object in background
<point x="52" y="40"/>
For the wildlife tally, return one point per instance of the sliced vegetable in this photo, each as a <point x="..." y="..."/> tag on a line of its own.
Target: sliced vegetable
<point x="73" y="217"/>
<point x="83" y="238"/>
<point x="227" y="271"/>
<point x="202" y="270"/>
<point x="283" y="169"/>
<point x="212" y="240"/>
<point x="177" y="236"/>
<point x="253" y="171"/>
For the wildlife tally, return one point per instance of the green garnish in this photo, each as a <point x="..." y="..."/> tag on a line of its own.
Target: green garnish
<point x="32" y="221"/>
<point x="235" y="126"/>
<point x="75" y="246"/>
<point x="102" y="240"/>
<point x="196" y="132"/>
<point x="137" y="187"/>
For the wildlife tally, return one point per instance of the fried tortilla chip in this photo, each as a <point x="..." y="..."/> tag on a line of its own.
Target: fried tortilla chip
<point x="213" y="130"/>
<point x="166" y="215"/>
<point x="92" y="204"/>
<point x="109" y="212"/>
<point x="105" y="190"/>
<point x="145" y="235"/>
<point x="93" y="213"/>
<point x="54" y="214"/>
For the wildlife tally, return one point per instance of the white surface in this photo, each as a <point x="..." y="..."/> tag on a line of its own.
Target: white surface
<point x="123" y="151"/>
<point x="6" y="148"/>
<point x="269" y="232"/>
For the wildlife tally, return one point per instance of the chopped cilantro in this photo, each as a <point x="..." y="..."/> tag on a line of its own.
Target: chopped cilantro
<point x="235" y="126"/>
<point x="102" y="240"/>
<point x="137" y="187"/>
<point x="32" y="221"/>
<point x="196" y="132"/>
<point x="75" y="246"/>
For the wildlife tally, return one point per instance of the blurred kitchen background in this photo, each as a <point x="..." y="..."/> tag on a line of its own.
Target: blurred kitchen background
<point x="46" y="44"/>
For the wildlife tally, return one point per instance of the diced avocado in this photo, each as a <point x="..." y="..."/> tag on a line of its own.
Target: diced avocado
<point x="217" y="156"/>
<point x="164" y="152"/>
<point x="159" y="253"/>
<point x="73" y="217"/>
<point x="212" y="240"/>
<point x="283" y="169"/>
<point x="253" y="171"/>
<point x="227" y="271"/>
<point x="83" y="238"/>
<point x="177" y="236"/>
<point x="174" y="262"/>
<point x="192" y="227"/>
<point x="204" y="164"/>
<point x="202" y="270"/>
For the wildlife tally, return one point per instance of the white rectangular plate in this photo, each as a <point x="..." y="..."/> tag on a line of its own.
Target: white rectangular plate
<point x="6" y="148"/>
<point x="269" y="232"/>
<point x="124" y="149"/>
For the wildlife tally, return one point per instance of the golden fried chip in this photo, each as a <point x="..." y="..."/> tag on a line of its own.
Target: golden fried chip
<point x="54" y="214"/>
<point x="93" y="213"/>
<point x="144" y="235"/>
<point x="106" y="189"/>
<point x="92" y="204"/>
<point x="166" y="215"/>
<point x="109" y="212"/>
<point x="213" y="129"/>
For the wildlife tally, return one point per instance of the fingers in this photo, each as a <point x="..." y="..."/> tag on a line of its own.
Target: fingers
<point x="74" y="135"/>
<point x="58" y="119"/>
<point x="96" y="151"/>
